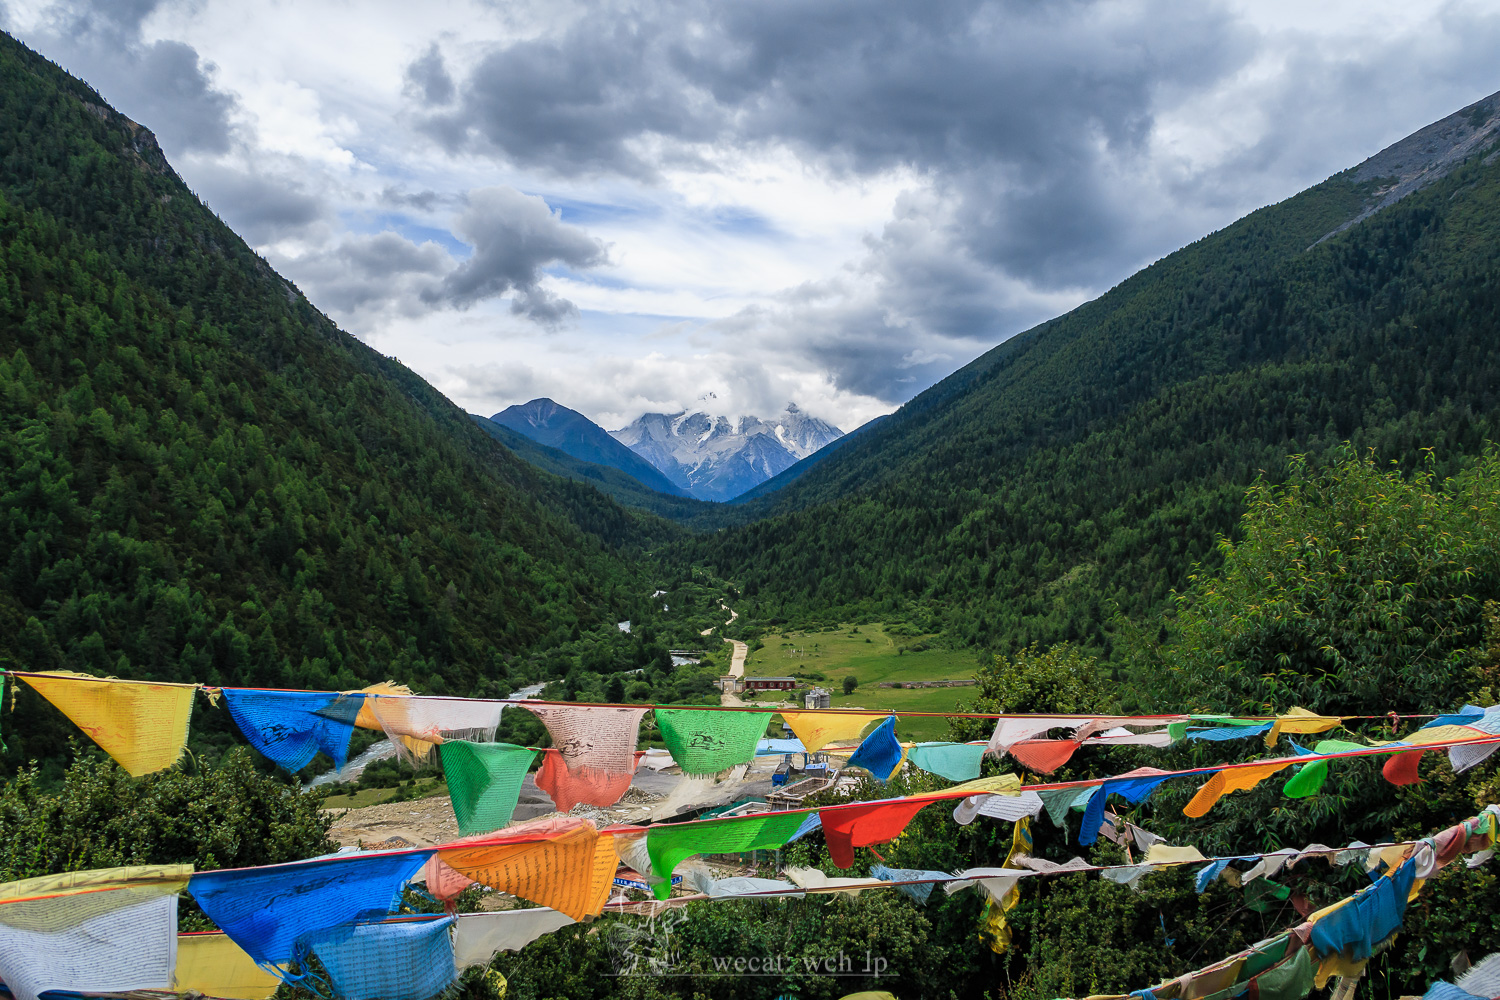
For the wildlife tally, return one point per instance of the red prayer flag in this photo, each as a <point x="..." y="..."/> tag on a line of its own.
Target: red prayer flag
<point x="1044" y="756"/>
<point x="1401" y="768"/>
<point x="846" y="828"/>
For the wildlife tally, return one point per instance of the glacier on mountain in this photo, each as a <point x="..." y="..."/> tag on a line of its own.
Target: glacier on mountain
<point x="718" y="458"/>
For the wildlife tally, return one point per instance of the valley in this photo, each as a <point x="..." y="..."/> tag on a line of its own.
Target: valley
<point x="1258" y="479"/>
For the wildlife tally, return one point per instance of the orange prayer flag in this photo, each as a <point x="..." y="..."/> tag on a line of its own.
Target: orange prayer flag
<point x="569" y="786"/>
<point x="1044" y="756"/>
<point x="1231" y="779"/>
<point x="571" y="870"/>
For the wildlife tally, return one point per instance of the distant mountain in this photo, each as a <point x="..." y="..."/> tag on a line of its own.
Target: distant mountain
<point x="556" y="426"/>
<point x="624" y="489"/>
<point x="716" y="458"/>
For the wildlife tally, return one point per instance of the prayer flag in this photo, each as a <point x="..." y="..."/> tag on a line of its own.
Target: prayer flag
<point x="593" y="754"/>
<point x="265" y="910"/>
<point x="1044" y="756"/>
<point x="881" y="753"/>
<point x="386" y="960"/>
<point x="924" y="879"/>
<point x="564" y="863"/>
<point x="569" y="785"/>
<point x="1231" y="779"/>
<point x="290" y="727"/>
<point x="818" y="729"/>
<point x="707" y="742"/>
<point x="106" y="931"/>
<point x="416" y="723"/>
<point x="215" y="966"/>
<point x="1009" y="732"/>
<point x="143" y="726"/>
<point x="1401" y="768"/>
<point x="1135" y="786"/>
<point x="479" y="937"/>
<point x="813" y="878"/>
<point x="1309" y="780"/>
<point x="848" y="827"/>
<point x="484" y="781"/>
<point x="1300" y="720"/>
<point x="672" y="843"/>
<point x="954" y="761"/>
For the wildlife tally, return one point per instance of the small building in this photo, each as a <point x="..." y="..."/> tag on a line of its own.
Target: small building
<point x="623" y="626"/>
<point x="770" y="683"/>
<point x="818" y="698"/>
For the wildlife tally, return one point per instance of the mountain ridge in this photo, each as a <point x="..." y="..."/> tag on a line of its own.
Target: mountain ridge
<point x="551" y="424"/>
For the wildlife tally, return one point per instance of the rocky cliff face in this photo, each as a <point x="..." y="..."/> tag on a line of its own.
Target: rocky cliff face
<point x="718" y="458"/>
<point x="1425" y="156"/>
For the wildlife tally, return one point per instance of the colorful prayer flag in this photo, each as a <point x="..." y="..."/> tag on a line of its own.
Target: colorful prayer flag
<point x="143" y="726"/>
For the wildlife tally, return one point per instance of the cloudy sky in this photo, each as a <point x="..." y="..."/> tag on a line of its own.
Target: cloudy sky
<point x="631" y="206"/>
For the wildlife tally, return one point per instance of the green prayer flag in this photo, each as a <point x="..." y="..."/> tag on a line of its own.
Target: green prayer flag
<point x="1263" y="894"/>
<point x="484" y="781"/>
<point x="954" y="761"/>
<point x="670" y="845"/>
<point x="1309" y="780"/>
<point x="706" y="742"/>
<point x="1266" y="954"/>
<point x="1290" y="981"/>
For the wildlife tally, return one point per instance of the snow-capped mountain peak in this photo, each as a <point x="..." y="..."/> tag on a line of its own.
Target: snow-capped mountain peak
<point x="718" y="458"/>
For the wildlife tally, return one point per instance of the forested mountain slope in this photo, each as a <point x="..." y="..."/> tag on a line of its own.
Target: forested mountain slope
<point x="1084" y="466"/>
<point x="202" y="478"/>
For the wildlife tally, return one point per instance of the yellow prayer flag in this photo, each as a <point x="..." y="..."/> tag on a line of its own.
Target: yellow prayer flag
<point x="1000" y="784"/>
<point x="818" y="729"/>
<point x="1164" y="854"/>
<point x="1338" y="964"/>
<point x="1300" y="720"/>
<point x="1231" y="779"/>
<point x="1442" y="734"/>
<point x="419" y="749"/>
<point x="48" y="902"/>
<point x="142" y="726"/>
<point x="214" y="965"/>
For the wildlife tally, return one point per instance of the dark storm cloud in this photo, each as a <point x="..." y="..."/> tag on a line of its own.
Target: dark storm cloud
<point x="164" y="85"/>
<point x="427" y="77"/>
<point x="1020" y="118"/>
<point x="259" y="207"/>
<point x="1020" y="107"/>
<point x="574" y="104"/>
<point x="514" y="237"/>
<point x="370" y="272"/>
